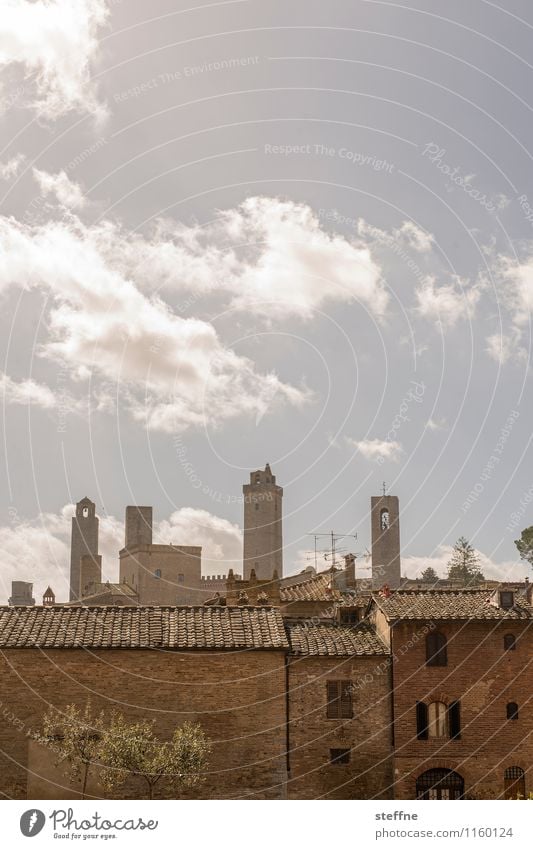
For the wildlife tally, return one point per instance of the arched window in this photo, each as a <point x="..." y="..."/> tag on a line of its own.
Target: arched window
<point x="514" y="783"/>
<point x="157" y="573"/>
<point x="437" y="720"/>
<point x="85" y="512"/>
<point x="512" y="710"/>
<point x="385" y="519"/>
<point x="436" y="652"/>
<point x="440" y="784"/>
<point x="509" y="642"/>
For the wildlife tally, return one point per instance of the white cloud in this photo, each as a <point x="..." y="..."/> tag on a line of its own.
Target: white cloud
<point x="68" y="193"/>
<point x="507" y="570"/>
<point x="377" y="449"/>
<point x="173" y="372"/>
<point x="407" y="236"/>
<point x="447" y="304"/>
<point x="221" y="540"/>
<point x="38" y="550"/>
<point x="517" y="288"/>
<point x="436" y="424"/>
<point x="503" y="347"/>
<point x="26" y="392"/>
<point x="11" y="167"/>
<point x="53" y="44"/>
<point x="271" y="255"/>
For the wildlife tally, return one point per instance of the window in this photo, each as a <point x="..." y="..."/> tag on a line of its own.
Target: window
<point x="157" y="573"/>
<point x="385" y="520"/>
<point x="514" y="783"/>
<point x="440" y="784"/>
<point x="339" y="756"/>
<point x="181" y="579"/>
<point x="348" y="617"/>
<point x="85" y="512"/>
<point x="512" y="710"/>
<point x="437" y="720"/>
<point x="509" y="642"/>
<point x="506" y="600"/>
<point x="339" y="700"/>
<point x="436" y="652"/>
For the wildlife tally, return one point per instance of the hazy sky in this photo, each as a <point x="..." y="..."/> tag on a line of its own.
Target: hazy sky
<point x="242" y="232"/>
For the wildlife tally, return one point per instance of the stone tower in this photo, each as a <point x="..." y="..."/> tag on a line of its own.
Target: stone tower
<point x="262" y="526"/>
<point x="84" y="540"/>
<point x="385" y="519"/>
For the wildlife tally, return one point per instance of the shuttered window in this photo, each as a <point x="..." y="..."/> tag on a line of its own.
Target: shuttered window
<point x="454" y="720"/>
<point x="421" y="721"/>
<point x="339" y="700"/>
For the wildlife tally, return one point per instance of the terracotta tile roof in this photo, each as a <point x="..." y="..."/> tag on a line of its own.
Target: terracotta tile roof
<point x="142" y="627"/>
<point x="335" y="640"/>
<point x="449" y="604"/>
<point x="317" y="588"/>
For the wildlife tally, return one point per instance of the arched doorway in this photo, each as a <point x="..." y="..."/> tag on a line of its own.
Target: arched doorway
<point x="440" y="784"/>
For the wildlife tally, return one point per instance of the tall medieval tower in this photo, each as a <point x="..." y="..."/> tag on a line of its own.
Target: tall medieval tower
<point x="262" y="525"/>
<point x="385" y="520"/>
<point x="84" y="540"/>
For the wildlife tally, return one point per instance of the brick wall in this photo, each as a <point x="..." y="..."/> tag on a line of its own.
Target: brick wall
<point x="312" y="734"/>
<point x="238" y="698"/>
<point x="485" y="678"/>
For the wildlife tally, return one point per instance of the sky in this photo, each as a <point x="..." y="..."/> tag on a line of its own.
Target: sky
<point x="234" y="233"/>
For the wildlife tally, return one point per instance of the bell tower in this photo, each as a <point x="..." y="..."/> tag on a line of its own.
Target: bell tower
<point x="385" y="521"/>
<point x="84" y="540"/>
<point x="262" y="526"/>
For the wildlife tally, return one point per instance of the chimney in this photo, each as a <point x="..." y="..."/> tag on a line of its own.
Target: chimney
<point x="21" y="594"/>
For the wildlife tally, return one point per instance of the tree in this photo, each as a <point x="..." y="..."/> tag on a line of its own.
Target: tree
<point x="77" y="737"/>
<point x="525" y="545"/>
<point x="463" y="567"/>
<point x="131" y="749"/>
<point x="429" y="575"/>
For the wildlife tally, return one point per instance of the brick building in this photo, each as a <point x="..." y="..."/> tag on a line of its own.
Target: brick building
<point x="286" y="707"/>
<point x="339" y="713"/>
<point x="462" y="691"/>
<point x="221" y="667"/>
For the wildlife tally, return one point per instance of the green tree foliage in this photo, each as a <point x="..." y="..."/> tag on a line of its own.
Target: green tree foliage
<point x="131" y="750"/>
<point x="76" y="735"/>
<point x="463" y="568"/>
<point x="429" y="575"/>
<point x="525" y="545"/>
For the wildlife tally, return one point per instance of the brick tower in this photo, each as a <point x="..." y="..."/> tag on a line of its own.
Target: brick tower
<point x="262" y="526"/>
<point x="385" y="519"/>
<point x="84" y="540"/>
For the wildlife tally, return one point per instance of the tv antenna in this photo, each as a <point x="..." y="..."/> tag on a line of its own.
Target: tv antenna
<point x="334" y="550"/>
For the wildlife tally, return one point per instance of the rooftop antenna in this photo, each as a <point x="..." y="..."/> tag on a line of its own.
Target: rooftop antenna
<point x="334" y="537"/>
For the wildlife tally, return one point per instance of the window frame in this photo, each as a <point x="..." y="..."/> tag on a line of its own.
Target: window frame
<point x="436" y="655"/>
<point x="511" y="709"/>
<point x="509" y="642"/>
<point x="339" y="699"/>
<point x="342" y="758"/>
